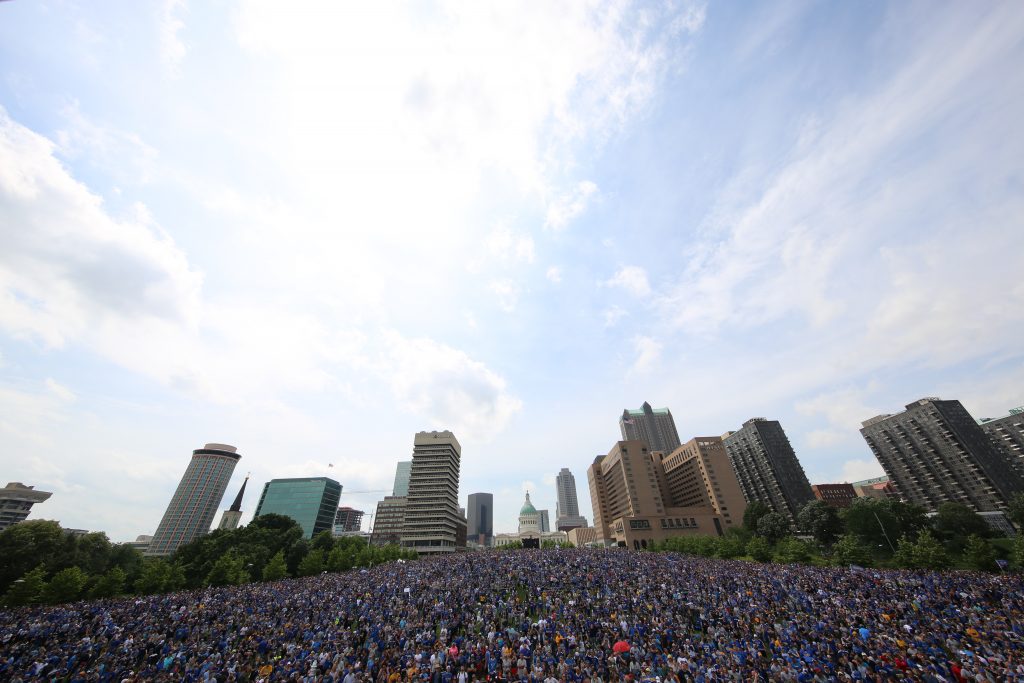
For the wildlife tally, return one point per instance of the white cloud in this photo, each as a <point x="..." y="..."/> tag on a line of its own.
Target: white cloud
<point x="633" y="279"/>
<point x="554" y="274"/>
<point x="124" y="155"/>
<point x="648" y="353"/>
<point x="59" y="390"/>
<point x="859" y="470"/>
<point x="613" y="315"/>
<point x="507" y="293"/>
<point x="567" y="207"/>
<point x="509" y="246"/>
<point x="172" y="49"/>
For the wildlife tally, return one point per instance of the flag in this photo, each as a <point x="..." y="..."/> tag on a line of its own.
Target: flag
<point x="330" y="464"/>
<point x="627" y="421"/>
<point x="1003" y="564"/>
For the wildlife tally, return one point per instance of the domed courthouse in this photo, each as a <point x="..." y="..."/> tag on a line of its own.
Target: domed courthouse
<point x="530" y="528"/>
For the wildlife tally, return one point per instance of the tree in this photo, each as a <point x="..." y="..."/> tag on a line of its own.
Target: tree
<point x="1018" y="552"/>
<point x="849" y="550"/>
<point x="312" y="563"/>
<point x="67" y="585"/>
<point x="754" y="512"/>
<point x="1016" y="511"/>
<point x="92" y="552"/>
<point x="929" y="553"/>
<point x="323" y="541"/>
<point x="28" y="544"/>
<point x="732" y="544"/>
<point x="980" y="554"/>
<point x="773" y="526"/>
<point x="228" y="570"/>
<point x="821" y="520"/>
<point x="879" y="522"/>
<point x="956" y="521"/>
<point x="759" y="549"/>
<point x="27" y="590"/>
<point x="154" y="577"/>
<point x="792" y="550"/>
<point x="904" y="555"/>
<point x="276" y="569"/>
<point x="110" y="584"/>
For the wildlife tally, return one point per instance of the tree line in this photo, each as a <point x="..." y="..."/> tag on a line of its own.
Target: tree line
<point x="42" y="563"/>
<point x="871" y="532"/>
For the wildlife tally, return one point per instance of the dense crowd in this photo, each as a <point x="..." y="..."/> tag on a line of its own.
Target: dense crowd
<point x="549" y="616"/>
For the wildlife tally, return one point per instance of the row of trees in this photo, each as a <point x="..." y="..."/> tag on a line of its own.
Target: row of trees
<point x="871" y="532"/>
<point x="45" y="564"/>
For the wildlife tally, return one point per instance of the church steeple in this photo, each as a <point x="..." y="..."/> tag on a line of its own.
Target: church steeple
<point x="237" y="505"/>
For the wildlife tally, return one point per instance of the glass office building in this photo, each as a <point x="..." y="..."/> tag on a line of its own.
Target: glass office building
<point x="310" y="501"/>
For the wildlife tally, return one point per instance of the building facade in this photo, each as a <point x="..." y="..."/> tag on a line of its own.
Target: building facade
<point x="16" y="501"/>
<point x="480" y="519"/>
<point x="230" y="518"/>
<point x="630" y="508"/>
<point x="194" y="504"/>
<point x="348" y="520"/>
<point x="389" y="521"/>
<point x="403" y="470"/>
<point x="766" y="467"/>
<point x="935" y="452"/>
<point x="545" y="520"/>
<point x="310" y="501"/>
<point x="836" y="495"/>
<point x="876" y="487"/>
<point x="567" y="509"/>
<point x="583" y="536"/>
<point x="1007" y="433"/>
<point x="432" y="512"/>
<point x="699" y="474"/>
<point x="655" y="427"/>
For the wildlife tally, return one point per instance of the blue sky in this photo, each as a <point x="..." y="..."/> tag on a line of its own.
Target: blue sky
<point x="313" y="229"/>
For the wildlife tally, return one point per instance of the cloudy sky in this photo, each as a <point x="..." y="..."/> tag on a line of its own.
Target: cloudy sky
<point x="313" y="229"/>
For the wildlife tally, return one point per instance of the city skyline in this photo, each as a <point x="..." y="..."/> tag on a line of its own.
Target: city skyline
<point x="227" y="222"/>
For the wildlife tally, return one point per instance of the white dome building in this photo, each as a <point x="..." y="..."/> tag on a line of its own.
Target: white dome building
<point x="529" y="518"/>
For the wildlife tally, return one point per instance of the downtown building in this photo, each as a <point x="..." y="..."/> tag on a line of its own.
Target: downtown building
<point x="934" y="452"/>
<point x="835" y="495"/>
<point x="388" y="521"/>
<point x="432" y="523"/>
<point x="348" y="520"/>
<point x="194" y="504"/>
<point x="480" y="519"/>
<point x="655" y="427"/>
<point x="567" y="507"/>
<point x="311" y="501"/>
<point x="230" y="518"/>
<point x="699" y="474"/>
<point x="16" y="501"/>
<point x="1007" y="433"/>
<point x="767" y="468"/>
<point x="403" y="470"/>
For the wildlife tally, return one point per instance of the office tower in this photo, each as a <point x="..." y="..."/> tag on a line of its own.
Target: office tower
<point x="656" y="428"/>
<point x="630" y="507"/>
<point x="402" y="472"/>
<point x="567" y="509"/>
<point x="836" y="495"/>
<point x="545" y="521"/>
<point x="194" y="504"/>
<point x="348" y="520"/>
<point x="767" y="468"/>
<point x="876" y="487"/>
<point x="699" y="473"/>
<point x="1007" y="433"/>
<point x="432" y="512"/>
<point x="480" y="519"/>
<point x="230" y="517"/>
<point x="934" y="452"/>
<point x="388" y="521"/>
<point x="310" y="501"/>
<point x="16" y="501"/>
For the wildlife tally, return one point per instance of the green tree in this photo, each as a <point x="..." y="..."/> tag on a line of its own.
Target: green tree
<point x="1018" y="552"/>
<point x="1016" y="511"/>
<point x="732" y="544"/>
<point x="980" y="554"/>
<point x="276" y="569"/>
<point x="904" y="556"/>
<point x="154" y="577"/>
<point x="849" y="550"/>
<point x="929" y="553"/>
<point x="67" y="585"/>
<point x="228" y="570"/>
<point x="339" y="560"/>
<point x="28" y="590"/>
<point x="773" y="526"/>
<point x="323" y="541"/>
<point x="312" y="563"/>
<point x="791" y="550"/>
<point x="752" y="515"/>
<point x="956" y="521"/>
<point x="25" y="545"/>
<point x="92" y="552"/>
<point x="110" y="584"/>
<point x="760" y="549"/>
<point x="821" y="520"/>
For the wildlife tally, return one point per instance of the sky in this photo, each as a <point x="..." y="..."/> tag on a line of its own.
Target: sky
<point x="312" y="229"/>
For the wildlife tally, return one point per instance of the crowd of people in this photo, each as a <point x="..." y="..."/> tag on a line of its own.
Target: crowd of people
<point x="542" y="616"/>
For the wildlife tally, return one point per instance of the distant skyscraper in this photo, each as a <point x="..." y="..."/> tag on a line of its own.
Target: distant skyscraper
<point x="655" y="427"/>
<point x="432" y="519"/>
<point x="1007" y="433"/>
<point x="480" y="518"/>
<point x="194" y="504"/>
<point x="348" y="520"/>
<point x="767" y="468"/>
<point x="935" y="452"/>
<point x="545" y="521"/>
<point x="16" y="501"/>
<point x="699" y="473"/>
<point x="402" y="472"/>
<point x="389" y="521"/>
<point x="567" y="509"/>
<point x="230" y="517"/>
<point x="310" y="501"/>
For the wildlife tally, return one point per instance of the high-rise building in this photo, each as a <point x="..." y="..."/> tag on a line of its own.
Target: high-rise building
<point x="310" y="501"/>
<point x="229" y="518"/>
<point x="767" y="468"/>
<point x="389" y="521"/>
<point x="1007" y="433"/>
<point x="876" y="487"/>
<point x="545" y="521"/>
<point x="348" y="520"/>
<point x="16" y="501"/>
<point x="567" y="509"/>
<point x="935" y="452"/>
<point x="630" y="507"/>
<point x="194" y="504"/>
<point x="699" y="473"/>
<point x="432" y="512"/>
<point x="480" y="519"/>
<point x="836" y="495"/>
<point x="402" y="472"/>
<point x="655" y="427"/>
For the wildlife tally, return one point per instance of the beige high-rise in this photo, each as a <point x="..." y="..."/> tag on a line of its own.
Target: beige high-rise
<point x="699" y="473"/>
<point x="432" y="518"/>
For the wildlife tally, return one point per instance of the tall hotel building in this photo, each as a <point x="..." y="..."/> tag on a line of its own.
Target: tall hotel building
<point x="194" y="504"/>
<point x="567" y="509"/>
<point x="1007" y="433"/>
<point x="935" y="452"/>
<point x="655" y="427"/>
<point x="766" y="467"/>
<point x="699" y="473"/>
<point x="432" y="519"/>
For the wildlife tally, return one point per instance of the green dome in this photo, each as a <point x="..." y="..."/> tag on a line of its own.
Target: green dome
<point x="528" y="508"/>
